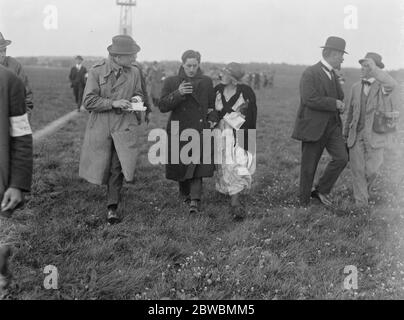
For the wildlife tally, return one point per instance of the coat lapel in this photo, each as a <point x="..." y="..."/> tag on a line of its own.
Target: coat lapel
<point x="121" y="80"/>
<point x="196" y="85"/>
<point x="325" y="80"/>
<point x="373" y="92"/>
<point x="356" y="99"/>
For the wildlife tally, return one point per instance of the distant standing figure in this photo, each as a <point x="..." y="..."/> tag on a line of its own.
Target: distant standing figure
<point x="156" y="77"/>
<point x="16" y="67"/>
<point x="78" y="77"/>
<point x="318" y="123"/>
<point x="257" y="81"/>
<point x="265" y="82"/>
<point x="373" y="94"/>
<point x="271" y="79"/>
<point x="250" y="79"/>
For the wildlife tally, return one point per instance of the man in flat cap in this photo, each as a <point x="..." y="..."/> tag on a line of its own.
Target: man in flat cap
<point x="109" y="150"/>
<point x="374" y="93"/>
<point x="318" y="124"/>
<point x="16" y="67"/>
<point x="78" y="77"/>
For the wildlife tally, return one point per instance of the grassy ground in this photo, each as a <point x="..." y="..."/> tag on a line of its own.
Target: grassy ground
<point x="160" y="251"/>
<point x="53" y="96"/>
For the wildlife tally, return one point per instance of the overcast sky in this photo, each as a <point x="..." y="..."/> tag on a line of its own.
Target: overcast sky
<point x="288" y="31"/>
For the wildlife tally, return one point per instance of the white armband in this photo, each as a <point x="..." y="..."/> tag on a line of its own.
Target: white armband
<point x="19" y="126"/>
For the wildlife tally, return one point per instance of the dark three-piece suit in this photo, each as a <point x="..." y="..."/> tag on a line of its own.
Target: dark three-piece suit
<point x="318" y="126"/>
<point x="78" y="82"/>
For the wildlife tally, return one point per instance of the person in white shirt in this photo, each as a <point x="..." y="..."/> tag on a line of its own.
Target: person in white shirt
<point x="78" y="78"/>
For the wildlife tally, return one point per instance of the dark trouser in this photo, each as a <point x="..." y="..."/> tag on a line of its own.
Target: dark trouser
<point x="115" y="180"/>
<point x="78" y="91"/>
<point x="333" y="141"/>
<point x="155" y="101"/>
<point x="191" y="188"/>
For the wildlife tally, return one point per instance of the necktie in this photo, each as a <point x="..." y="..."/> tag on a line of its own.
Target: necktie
<point x="330" y="72"/>
<point x="333" y="76"/>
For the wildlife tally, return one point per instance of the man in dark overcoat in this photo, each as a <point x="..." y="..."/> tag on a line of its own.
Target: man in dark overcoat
<point x="189" y="96"/>
<point x="318" y="124"/>
<point x="15" y="153"/>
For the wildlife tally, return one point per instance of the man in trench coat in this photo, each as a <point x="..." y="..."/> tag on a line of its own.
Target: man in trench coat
<point x="109" y="150"/>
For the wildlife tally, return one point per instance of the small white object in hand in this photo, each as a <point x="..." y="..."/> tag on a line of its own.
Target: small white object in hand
<point x="137" y="104"/>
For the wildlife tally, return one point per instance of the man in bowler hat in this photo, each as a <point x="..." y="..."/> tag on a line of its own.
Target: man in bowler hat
<point x="318" y="123"/>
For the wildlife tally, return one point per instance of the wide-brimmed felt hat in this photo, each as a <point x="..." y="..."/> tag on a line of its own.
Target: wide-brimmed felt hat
<point x="3" y="42"/>
<point x="235" y="70"/>
<point x="377" y="58"/>
<point x="335" y="43"/>
<point x="123" y="44"/>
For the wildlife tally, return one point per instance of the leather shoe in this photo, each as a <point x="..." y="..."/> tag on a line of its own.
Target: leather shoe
<point x="112" y="217"/>
<point x="194" y="206"/>
<point x="322" y="197"/>
<point x="238" y="212"/>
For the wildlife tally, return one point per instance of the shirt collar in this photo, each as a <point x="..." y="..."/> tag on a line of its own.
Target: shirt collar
<point x="371" y="80"/>
<point x="326" y="64"/>
<point x="111" y="66"/>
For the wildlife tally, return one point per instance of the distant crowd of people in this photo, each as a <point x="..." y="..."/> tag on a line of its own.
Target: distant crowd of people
<point x="258" y="80"/>
<point x="113" y="88"/>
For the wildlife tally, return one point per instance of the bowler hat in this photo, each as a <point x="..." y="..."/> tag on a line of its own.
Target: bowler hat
<point x="235" y="70"/>
<point x="335" y="43"/>
<point x="123" y="44"/>
<point x="377" y="58"/>
<point x="3" y="42"/>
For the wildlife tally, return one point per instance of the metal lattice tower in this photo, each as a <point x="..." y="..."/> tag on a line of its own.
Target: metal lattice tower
<point x="125" y="24"/>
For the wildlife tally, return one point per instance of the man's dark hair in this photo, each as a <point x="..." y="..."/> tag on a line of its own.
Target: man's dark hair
<point x="191" y="54"/>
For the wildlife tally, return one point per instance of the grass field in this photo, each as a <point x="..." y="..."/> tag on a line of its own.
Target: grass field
<point x="279" y="252"/>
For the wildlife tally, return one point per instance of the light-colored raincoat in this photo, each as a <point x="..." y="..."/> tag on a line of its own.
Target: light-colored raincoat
<point x="107" y="126"/>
